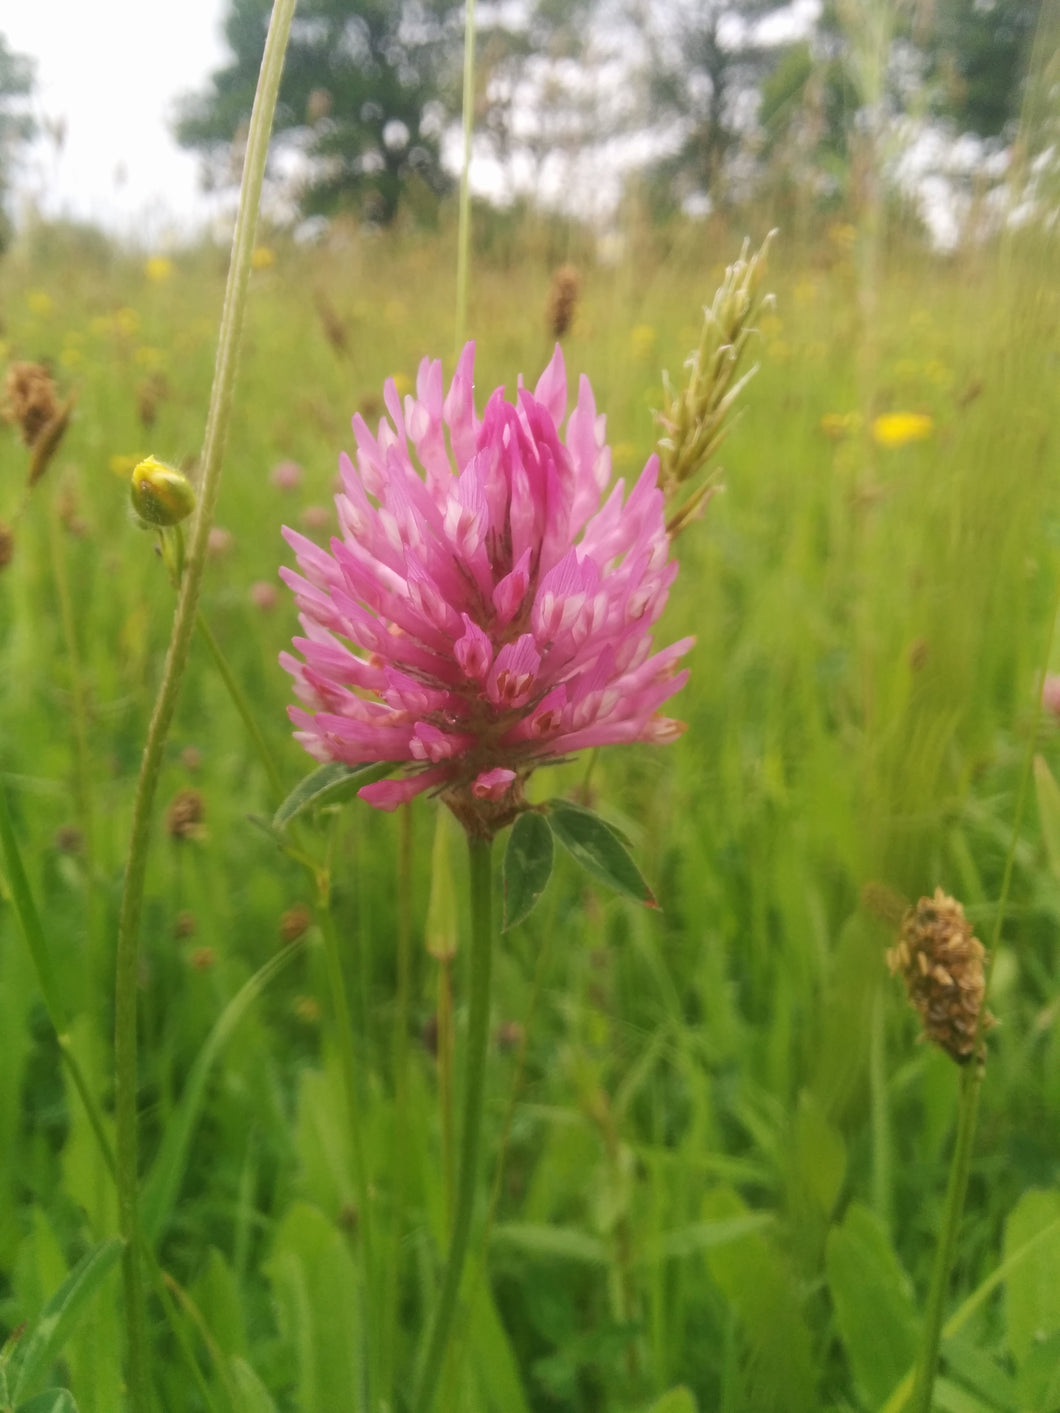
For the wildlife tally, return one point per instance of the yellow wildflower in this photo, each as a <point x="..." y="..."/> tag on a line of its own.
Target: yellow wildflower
<point x="40" y="302"/>
<point x="126" y="321"/>
<point x="262" y="258"/>
<point x="642" y="342"/>
<point x="899" y="428"/>
<point x="158" y="269"/>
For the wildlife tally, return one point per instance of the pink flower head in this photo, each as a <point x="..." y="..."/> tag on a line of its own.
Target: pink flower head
<point x="483" y="611"/>
<point x="1051" y="693"/>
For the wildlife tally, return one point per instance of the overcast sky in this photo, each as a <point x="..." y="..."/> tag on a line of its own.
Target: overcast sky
<point x="112" y="71"/>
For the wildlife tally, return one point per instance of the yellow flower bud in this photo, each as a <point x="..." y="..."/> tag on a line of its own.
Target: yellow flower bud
<point x="161" y="495"/>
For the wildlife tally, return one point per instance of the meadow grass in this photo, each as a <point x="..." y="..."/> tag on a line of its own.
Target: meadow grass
<point x="724" y="1149"/>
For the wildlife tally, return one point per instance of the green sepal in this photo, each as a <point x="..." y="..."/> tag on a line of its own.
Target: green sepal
<point x="599" y="849"/>
<point x="330" y="784"/>
<point x="528" y="859"/>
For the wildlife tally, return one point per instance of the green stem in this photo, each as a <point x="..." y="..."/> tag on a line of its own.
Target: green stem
<point x="128" y="951"/>
<point x="881" y="1128"/>
<point x="463" y="240"/>
<point x="348" y="1056"/>
<point x="401" y="1154"/>
<point x="971" y="1084"/>
<point x="445" y="1082"/>
<point x="479" y="851"/>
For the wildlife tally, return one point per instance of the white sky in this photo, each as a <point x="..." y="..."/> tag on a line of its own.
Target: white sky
<point x="112" y="69"/>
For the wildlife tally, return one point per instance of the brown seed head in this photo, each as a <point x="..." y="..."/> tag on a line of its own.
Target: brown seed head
<point x="185" y="815"/>
<point x="563" y="300"/>
<point x="7" y="546"/>
<point x="294" y="922"/>
<point x="941" y="961"/>
<point x="30" y="402"/>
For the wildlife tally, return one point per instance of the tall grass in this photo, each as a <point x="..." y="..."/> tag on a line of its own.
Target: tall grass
<point x="724" y="1145"/>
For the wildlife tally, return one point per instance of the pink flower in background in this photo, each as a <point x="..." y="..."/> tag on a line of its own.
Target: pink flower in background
<point x="1051" y="693"/>
<point x="286" y="475"/>
<point x="482" y="612"/>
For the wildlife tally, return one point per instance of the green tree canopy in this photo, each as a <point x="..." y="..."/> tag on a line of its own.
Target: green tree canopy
<point x="17" y="125"/>
<point x="366" y="91"/>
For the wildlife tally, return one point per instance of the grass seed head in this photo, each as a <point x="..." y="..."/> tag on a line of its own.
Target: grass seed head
<point x="7" y="546"/>
<point x="941" y="962"/>
<point x="695" y="416"/>
<point x="185" y="815"/>
<point x="30" y="400"/>
<point x="563" y="300"/>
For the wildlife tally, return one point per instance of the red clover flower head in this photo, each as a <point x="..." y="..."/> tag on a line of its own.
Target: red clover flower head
<point x="482" y="612"/>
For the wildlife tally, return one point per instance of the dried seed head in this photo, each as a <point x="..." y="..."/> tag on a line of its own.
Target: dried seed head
<point x="295" y="922"/>
<point x="941" y="961"/>
<point x="30" y="400"/>
<point x="563" y="300"/>
<point x="7" y="546"/>
<point x="185" y="815"/>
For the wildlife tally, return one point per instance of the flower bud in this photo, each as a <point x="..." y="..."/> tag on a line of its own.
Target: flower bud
<point x="161" y="495"/>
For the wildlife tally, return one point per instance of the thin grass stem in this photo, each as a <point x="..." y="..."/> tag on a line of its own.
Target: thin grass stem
<point x="463" y="240"/>
<point x="348" y="1056"/>
<point x="128" y="950"/>
<point x="971" y="1085"/>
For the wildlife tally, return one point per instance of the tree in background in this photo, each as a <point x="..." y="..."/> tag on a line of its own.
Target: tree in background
<point x="978" y="61"/>
<point x="705" y="61"/>
<point x="893" y="70"/>
<point x="17" y="125"/>
<point x="367" y="90"/>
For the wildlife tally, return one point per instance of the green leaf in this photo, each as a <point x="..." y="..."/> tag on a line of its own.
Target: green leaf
<point x="252" y="1395"/>
<point x="53" y="1400"/>
<point x="1048" y="792"/>
<point x="873" y="1303"/>
<point x="820" y="1156"/>
<point x="38" y="1351"/>
<point x="1032" y="1293"/>
<point x="528" y="862"/>
<point x="599" y="850"/>
<point x="703" y="1236"/>
<point x="163" y="1182"/>
<point x="541" y="1239"/>
<point x="329" y="784"/>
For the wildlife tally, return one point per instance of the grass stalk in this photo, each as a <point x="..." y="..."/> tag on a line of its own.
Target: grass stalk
<point x="348" y="1056"/>
<point x="128" y="950"/>
<point x="479" y="966"/>
<point x="463" y="239"/>
<point x="960" y="1166"/>
<point x="971" y="1084"/>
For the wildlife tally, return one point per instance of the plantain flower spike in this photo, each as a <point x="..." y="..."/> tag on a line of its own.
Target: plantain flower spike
<point x="694" y="419"/>
<point x="941" y="962"/>
<point x="161" y="495"/>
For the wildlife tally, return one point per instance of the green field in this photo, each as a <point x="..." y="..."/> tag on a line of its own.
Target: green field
<point x="715" y="1150"/>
